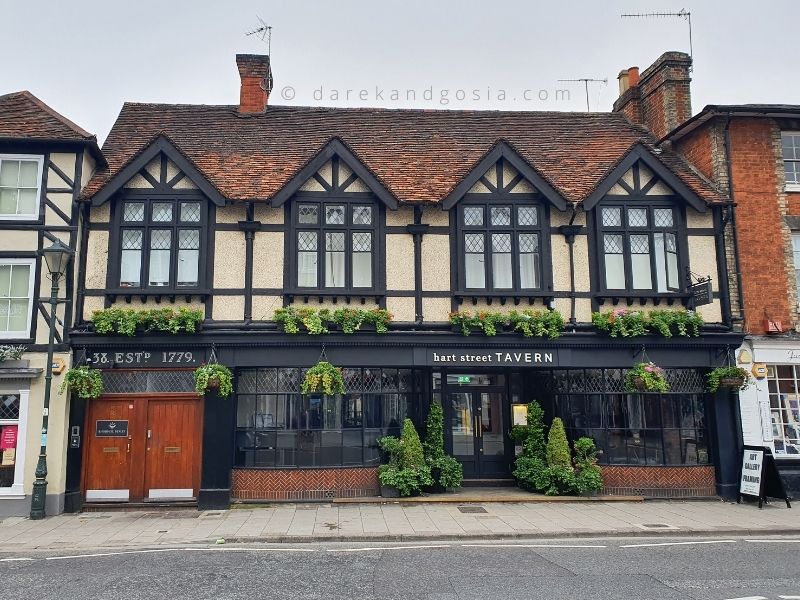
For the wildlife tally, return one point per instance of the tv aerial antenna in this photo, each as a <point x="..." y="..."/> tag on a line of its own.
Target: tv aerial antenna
<point x="586" y="81"/>
<point x="264" y="32"/>
<point x="681" y="14"/>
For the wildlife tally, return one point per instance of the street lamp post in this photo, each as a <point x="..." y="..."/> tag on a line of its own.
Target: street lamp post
<point x="57" y="257"/>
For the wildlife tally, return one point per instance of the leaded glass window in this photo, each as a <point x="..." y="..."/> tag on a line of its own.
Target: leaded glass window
<point x="160" y="243"/>
<point x="639" y="248"/>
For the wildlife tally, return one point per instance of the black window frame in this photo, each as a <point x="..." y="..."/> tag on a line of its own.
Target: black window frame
<point x="147" y="225"/>
<point x="650" y="203"/>
<point x="542" y="229"/>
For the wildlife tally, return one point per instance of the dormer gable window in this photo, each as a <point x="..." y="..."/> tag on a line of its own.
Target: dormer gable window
<point x="640" y="235"/>
<point x="500" y="235"/>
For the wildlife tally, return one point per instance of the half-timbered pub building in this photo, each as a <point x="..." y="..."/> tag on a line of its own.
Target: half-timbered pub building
<point x="242" y="210"/>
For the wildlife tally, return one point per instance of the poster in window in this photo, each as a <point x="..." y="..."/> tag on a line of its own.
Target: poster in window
<point x="8" y="437"/>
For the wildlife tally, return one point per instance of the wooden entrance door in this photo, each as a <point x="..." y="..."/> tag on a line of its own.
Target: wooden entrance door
<point x="172" y="449"/>
<point x="108" y="452"/>
<point x="159" y="456"/>
<point x="477" y="428"/>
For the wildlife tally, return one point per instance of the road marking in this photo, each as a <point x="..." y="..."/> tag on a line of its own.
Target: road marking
<point x="750" y="598"/>
<point x="774" y="542"/>
<point x="681" y="544"/>
<point x="249" y="549"/>
<point x="158" y="550"/>
<point x="385" y="548"/>
<point x="14" y="559"/>
<point x="98" y="554"/>
<point x="530" y="546"/>
<point x="790" y="597"/>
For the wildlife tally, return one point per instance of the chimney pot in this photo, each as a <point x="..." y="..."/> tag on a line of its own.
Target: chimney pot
<point x="256" y="82"/>
<point x="623" y="81"/>
<point x="633" y="76"/>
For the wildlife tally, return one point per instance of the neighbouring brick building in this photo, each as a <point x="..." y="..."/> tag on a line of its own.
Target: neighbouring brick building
<point x="752" y="154"/>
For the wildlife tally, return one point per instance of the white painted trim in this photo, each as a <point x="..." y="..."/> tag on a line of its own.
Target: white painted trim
<point x="13" y="335"/>
<point x="113" y="495"/>
<point x="17" y="489"/>
<point x="40" y="160"/>
<point x="792" y="187"/>
<point x="171" y="493"/>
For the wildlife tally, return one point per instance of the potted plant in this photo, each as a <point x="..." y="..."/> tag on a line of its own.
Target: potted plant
<point x="11" y="356"/>
<point x="646" y="377"/>
<point x="406" y="472"/>
<point x="85" y="382"/>
<point x="446" y="471"/>
<point x="539" y="323"/>
<point x="734" y="378"/>
<point x="324" y="378"/>
<point x="213" y="376"/>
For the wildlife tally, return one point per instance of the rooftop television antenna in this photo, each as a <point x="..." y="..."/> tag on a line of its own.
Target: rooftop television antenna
<point x="586" y="81"/>
<point x="264" y="32"/>
<point x="681" y="14"/>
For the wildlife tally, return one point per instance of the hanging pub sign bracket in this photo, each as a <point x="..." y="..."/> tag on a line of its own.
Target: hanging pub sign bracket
<point x="759" y="477"/>
<point x="700" y="290"/>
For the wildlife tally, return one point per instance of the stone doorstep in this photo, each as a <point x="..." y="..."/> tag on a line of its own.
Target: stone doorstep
<point x="483" y="499"/>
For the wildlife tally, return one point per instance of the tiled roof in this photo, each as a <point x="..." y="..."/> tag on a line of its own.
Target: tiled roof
<point x="419" y="155"/>
<point x="24" y="116"/>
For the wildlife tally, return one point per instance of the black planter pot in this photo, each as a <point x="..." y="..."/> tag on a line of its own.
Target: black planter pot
<point x="389" y="492"/>
<point x="436" y="488"/>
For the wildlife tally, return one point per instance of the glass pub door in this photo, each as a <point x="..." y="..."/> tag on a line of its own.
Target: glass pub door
<point x="477" y="424"/>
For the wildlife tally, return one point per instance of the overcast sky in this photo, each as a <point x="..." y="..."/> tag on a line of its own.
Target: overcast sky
<point x="86" y="57"/>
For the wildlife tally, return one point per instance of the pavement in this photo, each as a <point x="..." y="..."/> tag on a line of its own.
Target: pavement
<point x="394" y="521"/>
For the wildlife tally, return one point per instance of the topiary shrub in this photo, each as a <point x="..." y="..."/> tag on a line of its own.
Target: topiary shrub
<point x="588" y="476"/>
<point x="446" y="471"/>
<point x="530" y="468"/>
<point x="559" y="463"/>
<point x="407" y="471"/>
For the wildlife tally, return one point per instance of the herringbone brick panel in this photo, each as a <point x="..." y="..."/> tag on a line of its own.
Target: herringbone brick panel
<point x="304" y="484"/>
<point x="665" y="482"/>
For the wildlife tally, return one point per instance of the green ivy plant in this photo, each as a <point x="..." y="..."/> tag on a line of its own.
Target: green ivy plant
<point x="349" y="320"/>
<point x="538" y="323"/>
<point x="733" y="377"/>
<point x="323" y="377"/>
<point x="684" y="323"/>
<point x="11" y="352"/>
<point x="488" y="322"/>
<point x="646" y="377"/>
<point x="127" y="321"/>
<point x="621" y="322"/>
<point x="83" y="381"/>
<point x="379" y="318"/>
<point x="213" y="376"/>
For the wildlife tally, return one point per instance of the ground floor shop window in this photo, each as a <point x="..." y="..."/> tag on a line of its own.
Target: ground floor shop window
<point x="11" y="444"/>
<point x="634" y="429"/>
<point x="277" y="426"/>
<point x="784" y="402"/>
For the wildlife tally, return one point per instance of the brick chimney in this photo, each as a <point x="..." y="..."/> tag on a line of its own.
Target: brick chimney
<point x="256" y="76"/>
<point x="659" y="99"/>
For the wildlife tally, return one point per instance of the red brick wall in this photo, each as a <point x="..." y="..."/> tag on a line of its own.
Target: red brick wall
<point x="304" y="484"/>
<point x="665" y="482"/>
<point x="763" y="237"/>
<point x="793" y="204"/>
<point x="697" y="147"/>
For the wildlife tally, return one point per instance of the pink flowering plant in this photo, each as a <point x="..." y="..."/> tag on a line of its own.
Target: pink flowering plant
<point x="621" y="322"/>
<point x="646" y="377"/>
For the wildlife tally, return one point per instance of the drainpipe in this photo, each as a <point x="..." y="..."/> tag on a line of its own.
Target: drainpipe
<point x="720" y="222"/>
<point x="82" y="253"/>
<point x="249" y="226"/>
<point x="569" y="232"/>
<point x="727" y="144"/>
<point x="417" y="229"/>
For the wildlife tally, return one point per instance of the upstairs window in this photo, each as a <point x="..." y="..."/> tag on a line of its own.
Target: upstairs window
<point x="791" y="159"/>
<point x="501" y="246"/>
<point x="16" y="297"/>
<point x="20" y="178"/>
<point x="160" y="243"/>
<point x="335" y="243"/>
<point x="639" y="247"/>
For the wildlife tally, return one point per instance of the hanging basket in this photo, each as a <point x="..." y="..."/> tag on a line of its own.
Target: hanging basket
<point x="639" y="383"/>
<point x="323" y="378"/>
<point x="212" y="383"/>
<point x="729" y="378"/>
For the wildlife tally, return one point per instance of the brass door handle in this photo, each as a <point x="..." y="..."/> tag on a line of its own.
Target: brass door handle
<point x="478" y="432"/>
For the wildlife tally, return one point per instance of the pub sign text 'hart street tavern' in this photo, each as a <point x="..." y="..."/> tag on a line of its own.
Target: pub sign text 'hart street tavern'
<point x="496" y="358"/>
